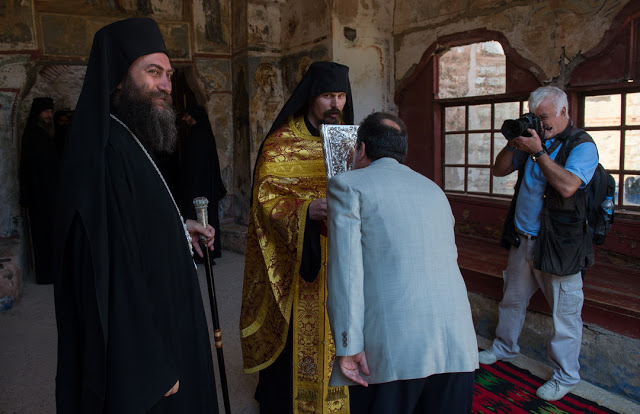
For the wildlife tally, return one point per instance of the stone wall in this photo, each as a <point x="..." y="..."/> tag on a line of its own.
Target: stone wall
<point x="45" y="46"/>
<point x="542" y="31"/>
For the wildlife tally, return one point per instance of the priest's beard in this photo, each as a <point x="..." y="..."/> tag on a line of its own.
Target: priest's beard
<point x="49" y="127"/>
<point x="332" y="116"/>
<point x="154" y="126"/>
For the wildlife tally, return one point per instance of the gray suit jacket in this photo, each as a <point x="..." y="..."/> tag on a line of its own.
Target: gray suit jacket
<point x="394" y="286"/>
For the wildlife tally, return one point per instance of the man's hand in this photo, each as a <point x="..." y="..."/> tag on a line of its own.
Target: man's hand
<point x="195" y="229"/>
<point x="173" y="389"/>
<point x="565" y="182"/>
<point x="349" y="367"/>
<point x="318" y="209"/>
<point x="531" y="145"/>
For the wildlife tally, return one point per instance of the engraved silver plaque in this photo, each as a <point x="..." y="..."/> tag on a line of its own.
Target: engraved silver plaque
<point x="339" y="142"/>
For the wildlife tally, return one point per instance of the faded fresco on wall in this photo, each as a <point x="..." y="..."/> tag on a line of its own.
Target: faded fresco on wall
<point x="239" y="19"/>
<point x="215" y="74"/>
<point x="265" y="101"/>
<point x="73" y="35"/>
<point x="9" y="210"/>
<point x="13" y="76"/>
<point x="62" y="83"/>
<point x="242" y="159"/>
<point x="550" y="26"/>
<point x="303" y="23"/>
<point x="158" y="9"/>
<point x="16" y="25"/>
<point x="295" y="65"/>
<point x="212" y="24"/>
<point x="263" y="25"/>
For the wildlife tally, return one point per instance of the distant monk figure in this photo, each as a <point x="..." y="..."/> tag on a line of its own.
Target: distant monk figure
<point x="38" y="180"/>
<point x="200" y="170"/>
<point x="62" y="122"/>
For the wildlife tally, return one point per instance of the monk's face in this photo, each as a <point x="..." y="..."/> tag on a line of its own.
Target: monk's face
<point x="327" y="108"/>
<point x="150" y="75"/>
<point x="143" y="102"/>
<point x="46" y="117"/>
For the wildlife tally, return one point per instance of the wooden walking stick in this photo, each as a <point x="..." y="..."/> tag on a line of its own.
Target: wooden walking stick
<point x="200" y="204"/>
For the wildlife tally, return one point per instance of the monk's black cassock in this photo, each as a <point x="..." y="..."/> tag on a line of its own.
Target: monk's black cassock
<point x="38" y="187"/>
<point x="129" y="310"/>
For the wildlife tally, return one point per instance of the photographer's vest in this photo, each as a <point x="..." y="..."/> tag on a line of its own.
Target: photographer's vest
<point x="563" y="246"/>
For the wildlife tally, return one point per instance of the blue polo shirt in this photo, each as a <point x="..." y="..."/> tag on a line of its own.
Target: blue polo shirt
<point x="582" y="161"/>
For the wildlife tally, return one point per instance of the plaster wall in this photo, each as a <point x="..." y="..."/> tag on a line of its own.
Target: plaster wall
<point x="304" y="23"/>
<point x="539" y="30"/>
<point x="214" y="81"/>
<point x="363" y="40"/>
<point x="13" y="74"/>
<point x="212" y="26"/>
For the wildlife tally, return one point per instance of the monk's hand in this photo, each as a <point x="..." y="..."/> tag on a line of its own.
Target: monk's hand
<point x="195" y="229"/>
<point x="349" y="366"/>
<point x="173" y="389"/>
<point x="318" y="209"/>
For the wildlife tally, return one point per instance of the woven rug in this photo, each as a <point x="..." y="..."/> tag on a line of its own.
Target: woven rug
<point x="504" y="388"/>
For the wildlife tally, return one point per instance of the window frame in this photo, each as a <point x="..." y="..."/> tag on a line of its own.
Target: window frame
<point x="441" y="105"/>
<point x="580" y="101"/>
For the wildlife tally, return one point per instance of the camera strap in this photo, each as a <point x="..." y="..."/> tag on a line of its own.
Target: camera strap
<point x="556" y="143"/>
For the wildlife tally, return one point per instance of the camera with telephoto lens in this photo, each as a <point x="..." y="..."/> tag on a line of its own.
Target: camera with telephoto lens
<point x="514" y="128"/>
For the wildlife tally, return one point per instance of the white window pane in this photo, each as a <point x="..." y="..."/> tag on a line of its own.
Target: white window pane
<point x="632" y="190"/>
<point x="608" y="143"/>
<point x="454" y="178"/>
<point x="633" y="109"/>
<point x="499" y="141"/>
<point x="454" y="118"/>
<point x="504" y="185"/>
<point x="454" y="149"/>
<point x="504" y="111"/>
<point x="480" y="149"/>
<point x="602" y="110"/>
<point x="478" y="180"/>
<point x="480" y="117"/>
<point x="632" y="150"/>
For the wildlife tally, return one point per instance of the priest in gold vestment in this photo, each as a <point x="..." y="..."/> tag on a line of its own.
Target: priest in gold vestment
<point x="284" y="328"/>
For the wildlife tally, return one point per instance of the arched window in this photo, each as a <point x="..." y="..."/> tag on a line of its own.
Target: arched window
<point x="476" y="69"/>
<point x="471" y="127"/>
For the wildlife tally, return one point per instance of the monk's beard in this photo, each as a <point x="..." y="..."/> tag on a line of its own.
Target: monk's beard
<point x="332" y="116"/>
<point x="49" y="127"/>
<point x="154" y="126"/>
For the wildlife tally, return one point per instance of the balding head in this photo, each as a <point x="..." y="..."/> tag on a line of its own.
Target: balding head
<point x="384" y="135"/>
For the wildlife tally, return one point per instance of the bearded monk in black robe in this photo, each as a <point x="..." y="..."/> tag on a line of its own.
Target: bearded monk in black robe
<point x="132" y="334"/>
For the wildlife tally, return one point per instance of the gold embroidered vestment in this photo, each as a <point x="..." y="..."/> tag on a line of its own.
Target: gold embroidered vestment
<point x="290" y="173"/>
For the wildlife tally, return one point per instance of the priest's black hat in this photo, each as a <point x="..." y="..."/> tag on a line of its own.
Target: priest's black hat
<point x="321" y="77"/>
<point x="41" y="104"/>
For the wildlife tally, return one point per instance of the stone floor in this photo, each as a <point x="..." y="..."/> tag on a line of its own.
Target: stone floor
<point x="28" y="345"/>
<point x="28" y="350"/>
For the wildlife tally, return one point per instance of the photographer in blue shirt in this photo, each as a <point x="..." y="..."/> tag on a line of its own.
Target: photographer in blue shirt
<point x="547" y="233"/>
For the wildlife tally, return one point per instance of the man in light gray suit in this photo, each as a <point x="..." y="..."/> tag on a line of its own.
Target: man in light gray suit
<point x="397" y="302"/>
